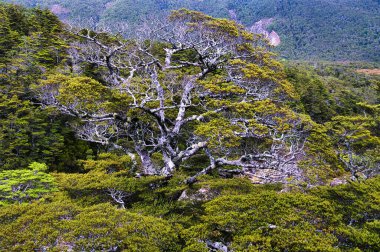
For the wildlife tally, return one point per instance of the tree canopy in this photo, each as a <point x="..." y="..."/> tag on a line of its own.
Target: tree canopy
<point x="199" y="86"/>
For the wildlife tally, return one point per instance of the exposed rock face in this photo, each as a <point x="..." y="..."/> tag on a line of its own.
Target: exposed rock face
<point x="217" y="246"/>
<point x="338" y="181"/>
<point x="59" y="10"/>
<point x="202" y="194"/>
<point x="261" y="27"/>
<point x="274" y="39"/>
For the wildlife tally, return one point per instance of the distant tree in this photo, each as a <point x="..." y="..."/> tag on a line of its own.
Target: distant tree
<point x="314" y="95"/>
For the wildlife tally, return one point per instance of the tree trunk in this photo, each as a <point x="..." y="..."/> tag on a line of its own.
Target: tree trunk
<point x="146" y="161"/>
<point x="169" y="165"/>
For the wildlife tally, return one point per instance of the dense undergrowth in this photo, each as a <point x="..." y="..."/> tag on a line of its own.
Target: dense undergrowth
<point x="236" y="213"/>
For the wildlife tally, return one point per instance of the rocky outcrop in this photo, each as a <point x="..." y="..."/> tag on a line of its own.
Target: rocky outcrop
<point x="261" y="27"/>
<point x="59" y="10"/>
<point x="203" y="194"/>
<point x="338" y="181"/>
<point x="274" y="39"/>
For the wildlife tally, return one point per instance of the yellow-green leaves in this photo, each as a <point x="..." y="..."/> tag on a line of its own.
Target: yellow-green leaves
<point x="253" y="71"/>
<point x="354" y="129"/>
<point x="219" y="133"/>
<point x="63" y="225"/>
<point x="25" y="185"/>
<point x="109" y="163"/>
<point x="211" y="27"/>
<point x="78" y="93"/>
<point x="266" y="72"/>
<point x="218" y="85"/>
<point x="356" y="143"/>
<point x="229" y="29"/>
<point x="82" y="92"/>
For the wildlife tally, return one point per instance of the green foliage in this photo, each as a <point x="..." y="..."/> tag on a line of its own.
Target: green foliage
<point x="242" y="216"/>
<point x="269" y="221"/>
<point x="108" y="172"/>
<point x="345" y="101"/>
<point x="326" y="219"/>
<point x="321" y="162"/>
<point x="28" y="134"/>
<point x="334" y="30"/>
<point x="102" y="227"/>
<point x="33" y="45"/>
<point x="327" y="89"/>
<point x="25" y="185"/>
<point x="314" y="95"/>
<point x="84" y="92"/>
<point x="219" y="133"/>
<point x="62" y="225"/>
<point x="109" y="163"/>
<point x="357" y="146"/>
<point x="358" y="205"/>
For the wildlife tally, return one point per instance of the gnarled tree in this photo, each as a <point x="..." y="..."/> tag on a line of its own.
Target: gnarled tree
<point x="194" y="85"/>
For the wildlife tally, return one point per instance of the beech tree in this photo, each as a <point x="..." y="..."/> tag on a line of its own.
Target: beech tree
<point x="194" y="85"/>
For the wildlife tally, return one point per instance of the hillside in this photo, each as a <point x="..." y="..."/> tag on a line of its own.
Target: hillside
<point x="191" y="137"/>
<point x="342" y="30"/>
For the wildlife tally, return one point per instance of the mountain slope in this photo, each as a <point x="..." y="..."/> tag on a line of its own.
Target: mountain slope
<point x="318" y="29"/>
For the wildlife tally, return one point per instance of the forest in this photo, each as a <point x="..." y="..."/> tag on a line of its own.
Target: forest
<point x="339" y="30"/>
<point x="194" y="135"/>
